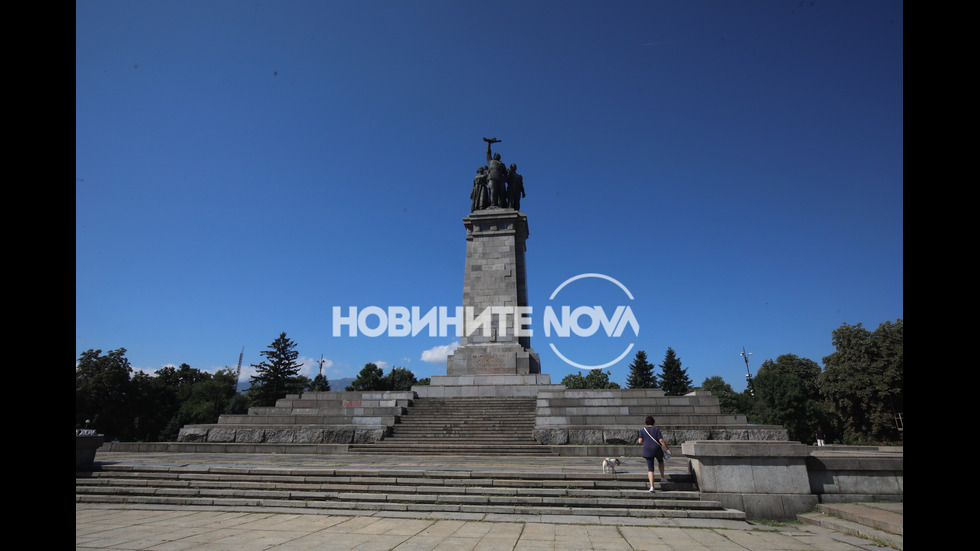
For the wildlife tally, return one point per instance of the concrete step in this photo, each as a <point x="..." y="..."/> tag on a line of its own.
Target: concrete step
<point x="466" y="430"/>
<point x="453" y="404"/>
<point x="427" y="418"/>
<point x="882" y="522"/>
<point x="462" y="426"/>
<point x="287" y="420"/>
<point x="405" y="490"/>
<point x="449" y="447"/>
<point x="458" y="440"/>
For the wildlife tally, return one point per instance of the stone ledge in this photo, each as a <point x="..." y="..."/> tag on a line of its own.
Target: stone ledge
<point x="745" y="448"/>
<point x="778" y="480"/>
<point x="204" y="447"/>
<point x="282" y="434"/>
<point x="529" y="390"/>
<point x="765" y="506"/>
<point x="626" y="434"/>
<point x="85" y="447"/>
<point x="491" y="380"/>
<point x="856" y="475"/>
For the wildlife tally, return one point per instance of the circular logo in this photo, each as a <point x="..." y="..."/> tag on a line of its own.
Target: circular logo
<point x="590" y="320"/>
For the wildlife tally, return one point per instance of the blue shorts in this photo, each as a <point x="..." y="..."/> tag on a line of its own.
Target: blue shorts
<point x="658" y="455"/>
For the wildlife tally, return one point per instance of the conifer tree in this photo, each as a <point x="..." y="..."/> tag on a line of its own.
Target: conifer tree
<point x="320" y="384"/>
<point x="641" y="372"/>
<point x="278" y="374"/>
<point x="674" y="380"/>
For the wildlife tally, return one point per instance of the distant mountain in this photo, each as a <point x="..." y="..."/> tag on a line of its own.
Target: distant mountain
<point x="340" y="384"/>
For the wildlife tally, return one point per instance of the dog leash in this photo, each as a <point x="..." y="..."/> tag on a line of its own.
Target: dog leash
<point x="633" y="454"/>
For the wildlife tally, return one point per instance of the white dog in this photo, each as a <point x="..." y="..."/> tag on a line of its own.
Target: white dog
<point x="609" y="465"/>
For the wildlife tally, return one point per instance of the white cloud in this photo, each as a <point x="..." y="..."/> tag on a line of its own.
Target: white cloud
<point x="438" y="354"/>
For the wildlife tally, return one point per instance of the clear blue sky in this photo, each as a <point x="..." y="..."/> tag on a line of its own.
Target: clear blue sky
<point x="243" y="167"/>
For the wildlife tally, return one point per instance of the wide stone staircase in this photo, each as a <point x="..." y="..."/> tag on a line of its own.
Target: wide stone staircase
<point x="411" y="491"/>
<point x="464" y="426"/>
<point x="879" y="521"/>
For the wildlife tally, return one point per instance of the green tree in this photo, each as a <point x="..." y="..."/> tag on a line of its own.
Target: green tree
<point x="573" y="381"/>
<point x="371" y="377"/>
<point x="596" y="378"/>
<point x="729" y="401"/>
<point x="204" y="400"/>
<point x="783" y="397"/>
<point x="863" y="381"/>
<point x="641" y="372"/>
<point x="804" y="369"/>
<point x="674" y="380"/>
<point x="102" y="393"/>
<point x="399" y="378"/>
<point x="239" y="404"/>
<point x="169" y="389"/>
<point x="320" y="384"/>
<point x="278" y="374"/>
<point x="151" y="407"/>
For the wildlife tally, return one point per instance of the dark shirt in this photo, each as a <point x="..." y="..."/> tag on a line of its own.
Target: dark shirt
<point x="651" y="445"/>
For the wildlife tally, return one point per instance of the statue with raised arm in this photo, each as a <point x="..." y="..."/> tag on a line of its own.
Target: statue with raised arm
<point x="496" y="176"/>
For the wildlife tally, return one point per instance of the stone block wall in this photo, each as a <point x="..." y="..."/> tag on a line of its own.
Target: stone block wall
<point x="778" y="480"/>
<point x="765" y="479"/>
<point x="614" y="416"/>
<point x="311" y="418"/>
<point x="845" y="474"/>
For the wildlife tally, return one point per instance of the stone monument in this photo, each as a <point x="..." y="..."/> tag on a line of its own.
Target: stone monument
<point x="494" y="360"/>
<point x="495" y="351"/>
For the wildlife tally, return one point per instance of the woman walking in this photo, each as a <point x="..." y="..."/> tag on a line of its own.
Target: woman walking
<point x="654" y="447"/>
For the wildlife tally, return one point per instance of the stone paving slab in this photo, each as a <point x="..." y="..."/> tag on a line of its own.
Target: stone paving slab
<point x="115" y="528"/>
<point x="175" y="528"/>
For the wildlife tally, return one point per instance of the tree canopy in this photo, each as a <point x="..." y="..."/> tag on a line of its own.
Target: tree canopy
<point x="728" y="400"/>
<point x="278" y="374"/>
<point x="399" y="378"/>
<point x="103" y="392"/>
<point x="863" y="380"/>
<point x="784" y="397"/>
<point x="596" y="378"/>
<point x="371" y="377"/>
<point x="641" y="372"/>
<point x="674" y="380"/>
<point x="144" y="407"/>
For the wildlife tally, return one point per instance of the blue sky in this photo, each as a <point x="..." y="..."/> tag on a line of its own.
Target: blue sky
<point x="242" y="168"/>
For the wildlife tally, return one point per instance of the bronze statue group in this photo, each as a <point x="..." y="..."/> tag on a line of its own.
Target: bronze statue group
<point x="495" y="185"/>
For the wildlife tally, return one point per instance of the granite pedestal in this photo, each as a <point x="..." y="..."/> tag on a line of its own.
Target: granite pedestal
<point x="496" y="333"/>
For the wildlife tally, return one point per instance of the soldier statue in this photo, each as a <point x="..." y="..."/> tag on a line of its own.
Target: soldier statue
<point x="480" y="196"/>
<point x="496" y="176"/>
<point x="515" y="188"/>
<point x="495" y="185"/>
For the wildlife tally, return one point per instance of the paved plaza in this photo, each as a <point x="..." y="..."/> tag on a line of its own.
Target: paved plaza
<point x="176" y="528"/>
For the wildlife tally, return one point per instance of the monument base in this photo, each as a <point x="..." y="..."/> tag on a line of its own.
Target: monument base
<point x="493" y="359"/>
<point x="486" y="386"/>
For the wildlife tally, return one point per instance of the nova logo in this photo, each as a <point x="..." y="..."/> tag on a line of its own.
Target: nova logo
<point x="587" y="321"/>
